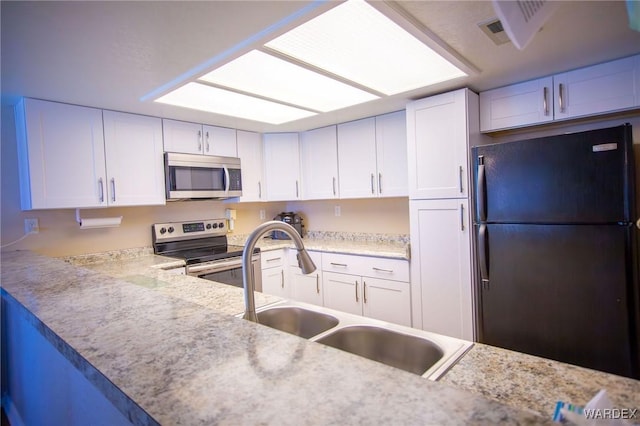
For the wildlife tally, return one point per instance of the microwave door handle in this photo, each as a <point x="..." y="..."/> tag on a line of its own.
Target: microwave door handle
<point x="226" y="179"/>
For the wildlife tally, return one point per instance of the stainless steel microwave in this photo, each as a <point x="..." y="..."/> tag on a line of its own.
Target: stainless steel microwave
<point x="192" y="176"/>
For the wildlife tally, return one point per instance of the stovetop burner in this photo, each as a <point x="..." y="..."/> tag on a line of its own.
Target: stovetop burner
<point x="194" y="241"/>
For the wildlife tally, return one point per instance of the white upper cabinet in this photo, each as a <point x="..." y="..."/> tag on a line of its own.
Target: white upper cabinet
<point x="61" y="155"/>
<point x="282" y="166"/>
<point x="598" y="89"/>
<point x="391" y="150"/>
<point x="250" y="154"/>
<point x="220" y="141"/>
<point x="181" y="136"/>
<point x="319" y="163"/>
<point x="607" y="87"/>
<point x="437" y="140"/>
<point x="357" y="158"/>
<point x="194" y="138"/>
<point x="69" y="159"/>
<point x="518" y="105"/>
<point x="134" y="156"/>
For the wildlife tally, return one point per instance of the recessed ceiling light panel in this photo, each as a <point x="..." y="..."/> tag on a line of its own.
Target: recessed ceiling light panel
<point x="357" y="42"/>
<point x="271" y="77"/>
<point x="225" y="102"/>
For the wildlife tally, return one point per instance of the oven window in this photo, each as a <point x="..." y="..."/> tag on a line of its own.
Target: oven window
<point x="197" y="179"/>
<point x="232" y="277"/>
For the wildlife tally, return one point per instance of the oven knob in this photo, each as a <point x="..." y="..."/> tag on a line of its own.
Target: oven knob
<point x="215" y="225"/>
<point x="208" y="226"/>
<point x="221" y="225"/>
<point x="171" y="229"/>
<point x="163" y="230"/>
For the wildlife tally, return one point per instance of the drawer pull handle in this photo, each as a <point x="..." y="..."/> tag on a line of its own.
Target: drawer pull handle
<point x="364" y="291"/>
<point x="389" y="271"/>
<point x="356" y="287"/>
<point x="282" y="278"/>
<point x="342" y="265"/>
<point x="318" y="283"/>
<point x="274" y="259"/>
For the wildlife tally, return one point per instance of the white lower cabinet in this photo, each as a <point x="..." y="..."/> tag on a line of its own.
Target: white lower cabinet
<point x="374" y="287"/>
<point x="306" y="287"/>
<point x="440" y="270"/>
<point x="274" y="273"/>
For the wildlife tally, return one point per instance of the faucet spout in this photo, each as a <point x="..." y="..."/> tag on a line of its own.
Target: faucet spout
<point x="248" y="280"/>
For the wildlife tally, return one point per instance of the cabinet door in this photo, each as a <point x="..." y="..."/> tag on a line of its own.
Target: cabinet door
<point x="357" y="159"/>
<point x="134" y="153"/>
<point x="391" y="149"/>
<point x="306" y="288"/>
<point x="342" y="292"/>
<point x="61" y="155"/>
<point x="282" y="166"/>
<point x="219" y="141"/>
<point x="274" y="282"/>
<point x="517" y="105"/>
<point x="386" y="300"/>
<point x="437" y="146"/>
<point x="181" y="136"/>
<point x="607" y="87"/>
<point x="319" y="159"/>
<point x="440" y="267"/>
<point x="250" y="153"/>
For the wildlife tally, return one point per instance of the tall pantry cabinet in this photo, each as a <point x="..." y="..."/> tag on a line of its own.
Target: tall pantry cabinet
<point x="440" y="130"/>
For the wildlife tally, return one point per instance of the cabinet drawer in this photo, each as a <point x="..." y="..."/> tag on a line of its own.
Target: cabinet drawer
<point x="292" y="257"/>
<point x="387" y="269"/>
<point x="377" y="267"/>
<point x="272" y="258"/>
<point x="342" y="263"/>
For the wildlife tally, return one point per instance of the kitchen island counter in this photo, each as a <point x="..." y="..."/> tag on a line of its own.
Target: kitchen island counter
<point x="161" y="358"/>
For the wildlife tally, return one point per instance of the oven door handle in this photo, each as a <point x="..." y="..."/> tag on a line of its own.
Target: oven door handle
<point x="218" y="266"/>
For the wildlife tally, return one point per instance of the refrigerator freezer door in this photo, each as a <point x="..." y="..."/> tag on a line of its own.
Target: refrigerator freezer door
<point x="573" y="178"/>
<point x="560" y="292"/>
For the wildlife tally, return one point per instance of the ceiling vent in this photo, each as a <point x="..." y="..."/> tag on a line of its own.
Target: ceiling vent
<point x="494" y="30"/>
<point x="522" y="19"/>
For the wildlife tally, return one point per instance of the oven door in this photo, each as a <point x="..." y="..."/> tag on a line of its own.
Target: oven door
<point x="227" y="271"/>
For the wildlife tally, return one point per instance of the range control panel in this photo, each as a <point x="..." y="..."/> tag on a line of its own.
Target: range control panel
<point x="188" y="230"/>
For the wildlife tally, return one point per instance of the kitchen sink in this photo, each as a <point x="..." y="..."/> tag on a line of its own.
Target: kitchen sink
<point x="427" y="354"/>
<point x="409" y="353"/>
<point x="295" y="320"/>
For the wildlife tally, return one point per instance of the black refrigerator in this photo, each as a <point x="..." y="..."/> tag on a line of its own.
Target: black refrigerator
<point x="556" y="248"/>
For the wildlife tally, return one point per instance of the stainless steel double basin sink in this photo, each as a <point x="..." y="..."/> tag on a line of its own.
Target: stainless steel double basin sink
<point x="427" y="354"/>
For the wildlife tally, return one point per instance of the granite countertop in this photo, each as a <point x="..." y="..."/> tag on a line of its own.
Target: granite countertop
<point x="380" y="245"/>
<point x="174" y="354"/>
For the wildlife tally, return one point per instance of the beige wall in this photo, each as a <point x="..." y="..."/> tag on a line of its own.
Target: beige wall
<point x="60" y="235"/>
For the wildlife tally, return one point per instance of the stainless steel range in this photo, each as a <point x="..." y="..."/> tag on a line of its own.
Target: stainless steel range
<point x="203" y="246"/>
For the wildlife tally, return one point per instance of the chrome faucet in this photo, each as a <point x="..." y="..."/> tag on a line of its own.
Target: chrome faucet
<point x="249" y="281"/>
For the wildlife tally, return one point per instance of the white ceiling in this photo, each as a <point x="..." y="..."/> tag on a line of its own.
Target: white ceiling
<point x="111" y="54"/>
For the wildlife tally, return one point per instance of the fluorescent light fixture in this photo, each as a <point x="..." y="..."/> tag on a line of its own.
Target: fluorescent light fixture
<point x="351" y="54"/>
<point x="220" y="101"/>
<point x="356" y="41"/>
<point x="271" y="77"/>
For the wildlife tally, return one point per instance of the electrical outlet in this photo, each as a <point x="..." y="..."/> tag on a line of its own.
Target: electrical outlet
<point x="336" y="211"/>
<point x="263" y="214"/>
<point x="31" y="226"/>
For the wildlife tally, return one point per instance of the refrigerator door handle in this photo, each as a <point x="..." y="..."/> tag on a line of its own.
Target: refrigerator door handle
<point x="481" y="190"/>
<point x="482" y="256"/>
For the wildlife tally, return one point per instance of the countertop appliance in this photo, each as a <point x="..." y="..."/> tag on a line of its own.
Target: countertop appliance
<point x="194" y="176"/>
<point x="557" y="249"/>
<point x="203" y="245"/>
<point x="292" y="219"/>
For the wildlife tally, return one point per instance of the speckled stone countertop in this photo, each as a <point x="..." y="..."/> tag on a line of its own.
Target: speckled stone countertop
<point x="160" y="357"/>
<point x="536" y="384"/>
<point x="380" y="245"/>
